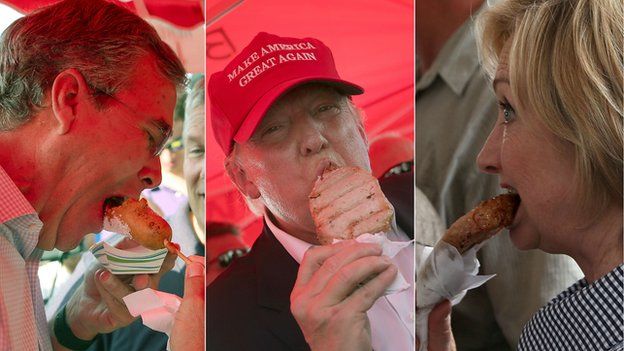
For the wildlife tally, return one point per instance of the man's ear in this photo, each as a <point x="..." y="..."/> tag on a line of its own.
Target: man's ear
<point x="239" y="177"/>
<point x="359" y="116"/>
<point x="68" y="90"/>
<point x="360" y="126"/>
<point x="363" y="134"/>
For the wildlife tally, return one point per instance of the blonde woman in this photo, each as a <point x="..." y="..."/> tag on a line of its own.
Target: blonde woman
<point x="557" y="72"/>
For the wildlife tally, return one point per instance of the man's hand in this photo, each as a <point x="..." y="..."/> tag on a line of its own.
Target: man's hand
<point x="97" y="305"/>
<point x="440" y="334"/>
<point x="336" y="285"/>
<point x="188" y="332"/>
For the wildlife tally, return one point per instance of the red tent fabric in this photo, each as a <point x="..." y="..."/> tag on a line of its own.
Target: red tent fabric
<point x="178" y="22"/>
<point x="182" y="13"/>
<point x="373" y="46"/>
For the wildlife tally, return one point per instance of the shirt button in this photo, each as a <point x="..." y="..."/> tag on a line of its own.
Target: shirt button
<point x="412" y="316"/>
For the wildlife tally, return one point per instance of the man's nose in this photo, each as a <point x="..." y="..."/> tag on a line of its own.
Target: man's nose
<point x="150" y="175"/>
<point x="313" y="140"/>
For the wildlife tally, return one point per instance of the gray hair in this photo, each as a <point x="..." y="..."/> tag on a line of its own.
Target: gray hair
<point x="195" y="98"/>
<point x="99" y="39"/>
<point x="196" y="92"/>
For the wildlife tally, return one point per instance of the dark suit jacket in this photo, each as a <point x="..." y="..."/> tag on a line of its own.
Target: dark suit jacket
<point x="248" y="306"/>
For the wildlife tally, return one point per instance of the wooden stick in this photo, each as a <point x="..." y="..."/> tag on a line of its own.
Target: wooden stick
<point x="183" y="257"/>
<point x="173" y="247"/>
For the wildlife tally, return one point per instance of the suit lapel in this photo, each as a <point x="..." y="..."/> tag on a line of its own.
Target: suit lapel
<point x="277" y="272"/>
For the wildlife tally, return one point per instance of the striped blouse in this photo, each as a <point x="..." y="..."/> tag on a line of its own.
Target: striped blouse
<point x="584" y="317"/>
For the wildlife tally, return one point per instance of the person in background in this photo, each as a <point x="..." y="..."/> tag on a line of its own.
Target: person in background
<point x="171" y="193"/>
<point x="455" y="110"/>
<point x="391" y="154"/>
<point x="556" y="68"/>
<point x="189" y="327"/>
<point x="175" y="148"/>
<point x="224" y="245"/>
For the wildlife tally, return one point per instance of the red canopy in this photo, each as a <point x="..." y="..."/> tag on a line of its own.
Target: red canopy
<point x="178" y="22"/>
<point x="182" y="13"/>
<point x="373" y="46"/>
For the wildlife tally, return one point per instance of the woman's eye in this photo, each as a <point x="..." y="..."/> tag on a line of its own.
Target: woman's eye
<point x="508" y="112"/>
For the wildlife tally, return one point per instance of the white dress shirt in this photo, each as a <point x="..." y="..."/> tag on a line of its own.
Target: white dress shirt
<point x="392" y="316"/>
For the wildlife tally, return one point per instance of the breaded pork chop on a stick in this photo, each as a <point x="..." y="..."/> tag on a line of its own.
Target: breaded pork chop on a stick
<point x="346" y="202"/>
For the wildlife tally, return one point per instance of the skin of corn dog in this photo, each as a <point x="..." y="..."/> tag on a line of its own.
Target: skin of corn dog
<point x="482" y="222"/>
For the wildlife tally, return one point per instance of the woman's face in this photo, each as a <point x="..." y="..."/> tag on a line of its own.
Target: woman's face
<point x="538" y="165"/>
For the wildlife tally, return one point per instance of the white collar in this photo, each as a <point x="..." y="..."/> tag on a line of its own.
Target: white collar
<point x="294" y="246"/>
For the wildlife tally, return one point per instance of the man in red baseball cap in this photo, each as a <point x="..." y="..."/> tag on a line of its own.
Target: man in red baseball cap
<point x="282" y="115"/>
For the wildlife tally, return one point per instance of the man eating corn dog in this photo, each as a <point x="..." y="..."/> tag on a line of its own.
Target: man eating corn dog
<point x="296" y="149"/>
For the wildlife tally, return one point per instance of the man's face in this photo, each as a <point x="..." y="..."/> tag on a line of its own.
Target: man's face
<point x="302" y="133"/>
<point x="107" y="152"/>
<point x="195" y="161"/>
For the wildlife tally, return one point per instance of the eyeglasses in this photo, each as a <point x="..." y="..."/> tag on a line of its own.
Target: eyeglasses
<point x="158" y="131"/>
<point x="175" y="145"/>
<point x="226" y="258"/>
<point x="158" y="143"/>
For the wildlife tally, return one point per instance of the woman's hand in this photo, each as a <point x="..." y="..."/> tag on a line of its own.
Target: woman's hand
<point x="440" y="333"/>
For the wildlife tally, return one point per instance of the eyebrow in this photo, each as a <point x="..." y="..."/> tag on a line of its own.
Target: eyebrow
<point x="499" y="80"/>
<point x="198" y="139"/>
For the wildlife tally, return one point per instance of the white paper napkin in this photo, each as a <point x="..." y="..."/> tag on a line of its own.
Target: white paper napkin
<point x="156" y="308"/>
<point x="389" y="248"/>
<point x="445" y="274"/>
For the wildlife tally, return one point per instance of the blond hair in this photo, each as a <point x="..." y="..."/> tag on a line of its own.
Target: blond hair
<point x="566" y="63"/>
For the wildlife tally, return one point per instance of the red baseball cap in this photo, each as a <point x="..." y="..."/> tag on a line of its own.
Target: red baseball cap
<point x="268" y="67"/>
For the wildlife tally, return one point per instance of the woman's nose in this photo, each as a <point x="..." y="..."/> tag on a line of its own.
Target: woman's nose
<point x="489" y="156"/>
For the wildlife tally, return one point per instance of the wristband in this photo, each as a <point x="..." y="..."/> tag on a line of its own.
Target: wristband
<point x="65" y="336"/>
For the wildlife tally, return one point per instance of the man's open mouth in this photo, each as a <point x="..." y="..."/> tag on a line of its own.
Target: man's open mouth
<point x="113" y="201"/>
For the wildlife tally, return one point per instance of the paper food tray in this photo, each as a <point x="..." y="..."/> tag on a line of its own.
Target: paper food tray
<point x="137" y="260"/>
